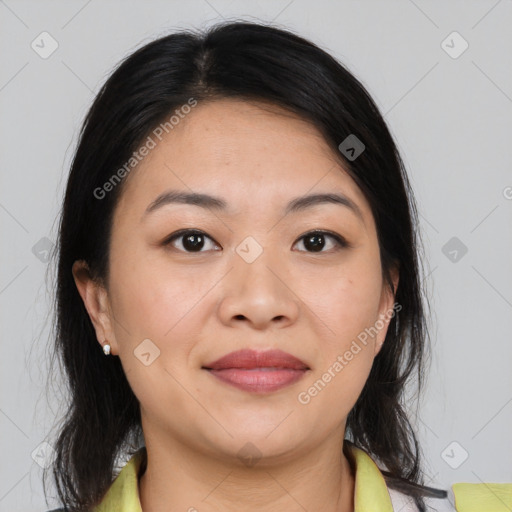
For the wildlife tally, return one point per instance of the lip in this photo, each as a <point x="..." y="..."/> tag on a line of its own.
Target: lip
<point x="258" y="372"/>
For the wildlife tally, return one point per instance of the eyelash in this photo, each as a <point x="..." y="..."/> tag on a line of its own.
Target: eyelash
<point x="339" y="240"/>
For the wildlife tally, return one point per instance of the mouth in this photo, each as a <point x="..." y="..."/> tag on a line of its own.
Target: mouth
<point x="258" y="372"/>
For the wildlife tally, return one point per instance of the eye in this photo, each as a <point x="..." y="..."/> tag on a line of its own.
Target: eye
<point x="191" y="240"/>
<point x="315" y="241"/>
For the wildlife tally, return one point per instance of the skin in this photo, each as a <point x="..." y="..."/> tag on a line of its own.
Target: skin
<point x="198" y="306"/>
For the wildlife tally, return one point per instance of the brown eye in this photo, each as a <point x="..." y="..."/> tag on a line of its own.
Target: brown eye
<point x="195" y="241"/>
<point x="190" y="241"/>
<point x="315" y="241"/>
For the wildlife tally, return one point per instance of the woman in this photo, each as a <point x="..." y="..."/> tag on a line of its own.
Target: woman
<point x="239" y="304"/>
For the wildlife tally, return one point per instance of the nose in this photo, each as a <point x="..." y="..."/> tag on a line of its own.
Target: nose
<point x="259" y="294"/>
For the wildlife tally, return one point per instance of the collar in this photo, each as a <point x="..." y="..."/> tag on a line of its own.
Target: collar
<point x="371" y="492"/>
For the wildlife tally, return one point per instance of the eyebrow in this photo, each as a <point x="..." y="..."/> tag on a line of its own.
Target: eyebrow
<point x="216" y="203"/>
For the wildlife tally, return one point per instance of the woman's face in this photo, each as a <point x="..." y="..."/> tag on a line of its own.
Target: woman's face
<point x="257" y="279"/>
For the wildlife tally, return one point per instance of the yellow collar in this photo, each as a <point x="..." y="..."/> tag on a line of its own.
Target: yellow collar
<point x="371" y="492"/>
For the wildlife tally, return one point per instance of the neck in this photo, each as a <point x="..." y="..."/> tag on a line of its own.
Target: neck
<point x="179" y="478"/>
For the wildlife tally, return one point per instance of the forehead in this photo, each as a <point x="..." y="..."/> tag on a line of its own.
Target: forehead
<point x="251" y="154"/>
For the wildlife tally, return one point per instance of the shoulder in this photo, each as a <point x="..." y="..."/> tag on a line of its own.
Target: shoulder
<point x="461" y="497"/>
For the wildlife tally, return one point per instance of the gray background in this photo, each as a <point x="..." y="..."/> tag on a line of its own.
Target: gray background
<point x="451" y="117"/>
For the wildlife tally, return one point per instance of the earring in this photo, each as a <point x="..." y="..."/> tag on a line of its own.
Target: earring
<point x="106" y="349"/>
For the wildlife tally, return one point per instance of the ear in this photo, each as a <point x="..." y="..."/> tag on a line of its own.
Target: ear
<point x="387" y="308"/>
<point x="96" y="303"/>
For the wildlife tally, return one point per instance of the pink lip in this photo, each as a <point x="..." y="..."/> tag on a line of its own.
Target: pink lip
<point x="259" y="372"/>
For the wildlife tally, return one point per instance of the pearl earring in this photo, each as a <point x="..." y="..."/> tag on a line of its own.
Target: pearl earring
<point x="106" y="349"/>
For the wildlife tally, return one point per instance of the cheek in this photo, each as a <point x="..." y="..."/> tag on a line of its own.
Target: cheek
<point x="156" y="300"/>
<point x="344" y="298"/>
<point x="345" y="302"/>
<point x="345" y="351"/>
<point x="151" y="304"/>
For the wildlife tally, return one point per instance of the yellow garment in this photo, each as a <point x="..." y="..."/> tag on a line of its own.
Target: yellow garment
<point x="371" y="492"/>
<point x="483" y="497"/>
